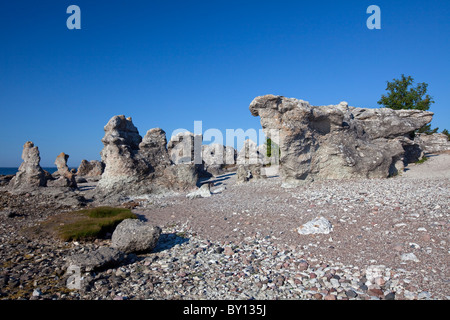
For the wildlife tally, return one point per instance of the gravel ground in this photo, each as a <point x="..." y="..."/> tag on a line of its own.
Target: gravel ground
<point x="389" y="241"/>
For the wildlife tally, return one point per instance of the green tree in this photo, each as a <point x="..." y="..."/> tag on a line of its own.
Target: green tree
<point x="445" y="131"/>
<point x="403" y="95"/>
<point x="272" y="146"/>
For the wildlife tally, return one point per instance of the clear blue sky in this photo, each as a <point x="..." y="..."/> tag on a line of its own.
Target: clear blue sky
<point x="169" y="63"/>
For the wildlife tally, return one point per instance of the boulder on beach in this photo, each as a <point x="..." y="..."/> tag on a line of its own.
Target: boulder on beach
<point x="132" y="235"/>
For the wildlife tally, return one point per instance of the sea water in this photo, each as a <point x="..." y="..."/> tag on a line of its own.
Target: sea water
<point x="7" y="171"/>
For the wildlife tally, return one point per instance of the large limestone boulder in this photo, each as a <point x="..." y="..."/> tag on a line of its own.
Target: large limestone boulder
<point x="132" y="235"/>
<point x="336" y="141"/>
<point x="30" y="174"/>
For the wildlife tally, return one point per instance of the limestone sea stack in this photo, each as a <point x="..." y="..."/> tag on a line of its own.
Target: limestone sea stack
<point x="337" y="141"/>
<point x="185" y="148"/>
<point x="136" y="166"/>
<point x="219" y="159"/>
<point x="30" y="174"/>
<point x="66" y="178"/>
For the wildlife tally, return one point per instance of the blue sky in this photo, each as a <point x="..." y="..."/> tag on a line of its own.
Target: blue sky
<point x="169" y="63"/>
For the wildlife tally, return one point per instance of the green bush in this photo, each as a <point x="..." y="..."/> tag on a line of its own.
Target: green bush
<point x="445" y="131"/>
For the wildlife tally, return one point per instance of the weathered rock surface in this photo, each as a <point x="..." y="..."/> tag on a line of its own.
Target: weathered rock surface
<point x="219" y="159"/>
<point x="98" y="259"/>
<point x="336" y="141"/>
<point x="431" y="143"/>
<point x="65" y="177"/>
<point x="93" y="168"/>
<point x="136" y="166"/>
<point x="202" y="192"/>
<point x="247" y="172"/>
<point x="6" y="179"/>
<point x="251" y="154"/>
<point x="318" y="225"/>
<point x="132" y="235"/>
<point x="185" y="148"/>
<point x="154" y="149"/>
<point x="250" y="160"/>
<point x="30" y="174"/>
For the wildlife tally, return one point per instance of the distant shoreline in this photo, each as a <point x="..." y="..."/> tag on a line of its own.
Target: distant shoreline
<point x="4" y="171"/>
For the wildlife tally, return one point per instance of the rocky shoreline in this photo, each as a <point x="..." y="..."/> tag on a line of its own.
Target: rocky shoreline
<point x="384" y="245"/>
<point x="337" y="210"/>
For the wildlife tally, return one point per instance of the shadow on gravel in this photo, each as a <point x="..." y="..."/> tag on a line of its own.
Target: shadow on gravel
<point x="86" y="188"/>
<point x="217" y="179"/>
<point x="169" y="240"/>
<point x="141" y="217"/>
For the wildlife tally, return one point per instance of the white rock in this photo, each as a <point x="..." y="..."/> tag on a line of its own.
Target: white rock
<point x="424" y="295"/>
<point x="37" y="293"/>
<point x="409" y="257"/>
<point x="202" y="192"/>
<point x="335" y="282"/>
<point x="414" y="245"/>
<point x="318" y="225"/>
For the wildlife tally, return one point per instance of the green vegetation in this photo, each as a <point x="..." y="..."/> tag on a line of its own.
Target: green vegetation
<point x="93" y="223"/>
<point x="272" y="147"/>
<point x="403" y="95"/>
<point x="421" y="160"/>
<point x="445" y="131"/>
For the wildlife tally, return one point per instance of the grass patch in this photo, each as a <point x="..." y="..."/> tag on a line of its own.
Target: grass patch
<point x="83" y="225"/>
<point x="421" y="160"/>
<point x="94" y="223"/>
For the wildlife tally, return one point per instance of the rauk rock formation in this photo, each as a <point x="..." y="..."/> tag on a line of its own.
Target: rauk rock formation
<point x="218" y="159"/>
<point x="30" y="174"/>
<point x="136" y="165"/>
<point x="65" y="177"/>
<point x="93" y="168"/>
<point x="337" y="141"/>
